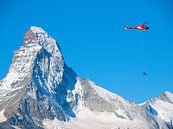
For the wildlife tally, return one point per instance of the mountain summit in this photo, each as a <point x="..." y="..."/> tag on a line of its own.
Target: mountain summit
<point x="161" y="109"/>
<point x="41" y="91"/>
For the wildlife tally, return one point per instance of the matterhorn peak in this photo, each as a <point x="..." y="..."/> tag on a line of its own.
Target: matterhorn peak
<point x="37" y="29"/>
<point x="36" y="35"/>
<point x="32" y="34"/>
<point x="36" y="85"/>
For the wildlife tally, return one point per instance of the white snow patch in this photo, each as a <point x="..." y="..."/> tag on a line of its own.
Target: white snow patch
<point x="16" y="127"/>
<point x="2" y="117"/>
<point x="87" y="119"/>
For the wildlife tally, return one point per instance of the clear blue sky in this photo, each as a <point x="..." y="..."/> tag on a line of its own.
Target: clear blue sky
<point x="94" y="43"/>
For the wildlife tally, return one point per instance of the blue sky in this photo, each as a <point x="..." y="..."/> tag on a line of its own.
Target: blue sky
<point x="94" y="43"/>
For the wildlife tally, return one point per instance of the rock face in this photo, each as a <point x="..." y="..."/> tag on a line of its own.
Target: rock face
<point x="40" y="90"/>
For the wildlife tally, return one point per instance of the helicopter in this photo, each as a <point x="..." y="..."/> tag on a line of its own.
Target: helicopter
<point x="141" y="27"/>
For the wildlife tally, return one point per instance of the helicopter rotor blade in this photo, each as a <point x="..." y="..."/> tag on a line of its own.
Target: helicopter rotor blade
<point x="144" y="23"/>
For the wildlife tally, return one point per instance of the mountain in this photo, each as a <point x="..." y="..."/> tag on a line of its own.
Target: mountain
<point x="161" y="109"/>
<point x="41" y="91"/>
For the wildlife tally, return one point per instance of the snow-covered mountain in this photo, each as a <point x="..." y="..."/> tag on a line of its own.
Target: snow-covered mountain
<point x="41" y="91"/>
<point x="161" y="109"/>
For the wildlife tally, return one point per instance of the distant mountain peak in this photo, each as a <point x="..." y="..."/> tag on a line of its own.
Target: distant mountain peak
<point x="161" y="109"/>
<point x="168" y="94"/>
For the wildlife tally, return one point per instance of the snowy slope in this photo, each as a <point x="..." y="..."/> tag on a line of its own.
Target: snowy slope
<point x="41" y="91"/>
<point x="101" y="109"/>
<point x="161" y="109"/>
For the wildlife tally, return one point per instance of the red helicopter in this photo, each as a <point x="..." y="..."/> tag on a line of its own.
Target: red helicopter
<point x="141" y="27"/>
